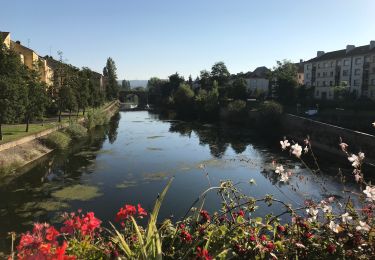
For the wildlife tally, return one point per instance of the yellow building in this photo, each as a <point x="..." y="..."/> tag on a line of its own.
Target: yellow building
<point x="30" y="58"/>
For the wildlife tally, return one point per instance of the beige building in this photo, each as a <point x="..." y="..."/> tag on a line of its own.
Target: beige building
<point x="29" y="58"/>
<point x="300" y="72"/>
<point x="352" y="67"/>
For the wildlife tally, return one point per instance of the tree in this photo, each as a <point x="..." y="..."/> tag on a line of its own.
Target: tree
<point x="183" y="98"/>
<point x="285" y="77"/>
<point x="205" y="80"/>
<point x="238" y="89"/>
<point x="36" y="101"/>
<point x="125" y="85"/>
<point x="110" y="73"/>
<point x="220" y="73"/>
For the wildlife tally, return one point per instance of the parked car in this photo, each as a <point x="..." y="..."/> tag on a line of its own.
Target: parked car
<point x="311" y="112"/>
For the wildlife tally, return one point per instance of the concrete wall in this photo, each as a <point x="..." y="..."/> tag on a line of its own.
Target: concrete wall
<point x="327" y="137"/>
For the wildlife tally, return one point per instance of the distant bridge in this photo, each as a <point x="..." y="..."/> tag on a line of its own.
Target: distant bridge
<point x="142" y="97"/>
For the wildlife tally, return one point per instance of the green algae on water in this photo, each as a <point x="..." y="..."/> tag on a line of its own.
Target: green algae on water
<point x="77" y="192"/>
<point x="126" y="184"/>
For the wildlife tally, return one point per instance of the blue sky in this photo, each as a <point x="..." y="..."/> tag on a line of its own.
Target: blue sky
<point x="157" y="38"/>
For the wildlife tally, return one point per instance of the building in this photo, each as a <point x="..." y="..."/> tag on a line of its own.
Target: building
<point x="5" y="37"/>
<point x="99" y="78"/>
<point x="257" y="82"/>
<point x="300" y="72"/>
<point x="29" y="58"/>
<point x="352" y="68"/>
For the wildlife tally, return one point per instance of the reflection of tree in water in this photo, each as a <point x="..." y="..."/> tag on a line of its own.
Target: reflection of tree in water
<point x="113" y="126"/>
<point x="216" y="137"/>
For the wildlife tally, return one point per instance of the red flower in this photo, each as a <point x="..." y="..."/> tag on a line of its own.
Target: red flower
<point x="186" y="237"/>
<point x="331" y="248"/>
<point x="126" y="212"/>
<point x="141" y="211"/>
<point x="270" y="246"/>
<point x="241" y="213"/>
<point x="51" y="234"/>
<point x="45" y="248"/>
<point x="205" y="216"/>
<point x="281" y="228"/>
<point x="252" y="238"/>
<point x="203" y="254"/>
<point x="263" y="237"/>
<point x="308" y="235"/>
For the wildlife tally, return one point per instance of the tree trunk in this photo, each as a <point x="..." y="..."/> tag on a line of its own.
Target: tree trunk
<point x="1" y="132"/>
<point x="77" y="113"/>
<point x="70" y="114"/>
<point x="60" y="116"/>
<point x="27" y="124"/>
<point x="84" y="110"/>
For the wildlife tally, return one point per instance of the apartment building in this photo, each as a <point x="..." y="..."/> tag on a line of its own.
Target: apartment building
<point x="257" y="81"/>
<point x="352" y="67"/>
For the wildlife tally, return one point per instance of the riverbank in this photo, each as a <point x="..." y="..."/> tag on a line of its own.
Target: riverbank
<point x="19" y="153"/>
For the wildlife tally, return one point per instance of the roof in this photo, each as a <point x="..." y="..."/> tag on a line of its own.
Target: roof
<point x="23" y="47"/>
<point x="300" y="67"/>
<point x="3" y="35"/>
<point x="361" y="50"/>
<point x="260" y="72"/>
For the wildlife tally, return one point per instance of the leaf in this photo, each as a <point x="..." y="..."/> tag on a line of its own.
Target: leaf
<point x="122" y="243"/>
<point x="140" y="238"/>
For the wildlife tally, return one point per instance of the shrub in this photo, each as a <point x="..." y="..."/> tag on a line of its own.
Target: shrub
<point x="76" y="131"/>
<point x="57" y="140"/>
<point x="95" y="117"/>
<point x="237" y="106"/>
<point x="269" y="119"/>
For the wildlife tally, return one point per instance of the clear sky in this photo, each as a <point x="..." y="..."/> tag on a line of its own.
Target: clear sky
<point x="159" y="37"/>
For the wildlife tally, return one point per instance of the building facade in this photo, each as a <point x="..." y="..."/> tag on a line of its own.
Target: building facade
<point x="257" y="82"/>
<point x="352" y="68"/>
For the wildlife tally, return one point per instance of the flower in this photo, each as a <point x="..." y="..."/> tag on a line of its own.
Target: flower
<point x="356" y="160"/>
<point x="281" y="228"/>
<point x="284" y="177"/>
<point x="346" y="217"/>
<point x="205" y="216"/>
<point x="370" y="193"/>
<point x="270" y="246"/>
<point x="334" y="227"/>
<point x="51" y="233"/>
<point x="327" y="208"/>
<point x="312" y="212"/>
<point x="331" y="248"/>
<point x="125" y="212"/>
<point x="141" y="211"/>
<point x="203" y="254"/>
<point x="373" y="124"/>
<point x="297" y="150"/>
<point x="284" y="144"/>
<point x="186" y="237"/>
<point x="279" y="169"/>
<point x="306" y="149"/>
<point x="363" y="226"/>
<point x="343" y="146"/>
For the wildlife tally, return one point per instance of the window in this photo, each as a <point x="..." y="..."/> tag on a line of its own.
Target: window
<point x="324" y="74"/>
<point x="308" y="67"/>
<point x="367" y="59"/>
<point x="357" y="72"/>
<point x="318" y="65"/>
<point x="358" y="61"/>
<point x="331" y="73"/>
<point x="373" y="82"/>
<point x="345" y="72"/>
<point x="332" y="64"/>
<point x="318" y="83"/>
<point x="318" y="75"/>
<point x="325" y="64"/>
<point x="346" y="62"/>
<point x="324" y="83"/>
<point x="356" y="82"/>
<point x="331" y="83"/>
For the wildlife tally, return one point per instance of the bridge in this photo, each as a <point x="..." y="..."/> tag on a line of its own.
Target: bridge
<point x="125" y="95"/>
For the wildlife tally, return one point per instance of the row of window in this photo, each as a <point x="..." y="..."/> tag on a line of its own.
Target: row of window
<point x="357" y="61"/>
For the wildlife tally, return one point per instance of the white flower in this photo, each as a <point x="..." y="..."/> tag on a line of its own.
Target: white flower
<point x="363" y="226"/>
<point x="346" y="217"/>
<point x="356" y="160"/>
<point x="327" y="208"/>
<point x="334" y="227"/>
<point x="279" y="169"/>
<point x="357" y="177"/>
<point x="284" y="144"/>
<point x="306" y="149"/>
<point x="312" y="212"/>
<point x="373" y="124"/>
<point x="370" y="193"/>
<point x="284" y="177"/>
<point x="343" y="146"/>
<point x="296" y="150"/>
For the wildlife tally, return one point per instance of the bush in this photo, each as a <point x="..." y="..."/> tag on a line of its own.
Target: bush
<point x="57" y="140"/>
<point x="269" y="119"/>
<point x="95" y="117"/>
<point x="236" y="106"/>
<point x="76" y="131"/>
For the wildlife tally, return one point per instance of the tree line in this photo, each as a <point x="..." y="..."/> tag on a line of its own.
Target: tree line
<point x="24" y="98"/>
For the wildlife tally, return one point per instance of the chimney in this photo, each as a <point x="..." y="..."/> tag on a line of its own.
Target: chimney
<point x="349" y="48"/>
<point x="18" y="42"/>
<point x="372" y="45"/>
<point x="301" y="61"/>
<point x="319" y="53"/>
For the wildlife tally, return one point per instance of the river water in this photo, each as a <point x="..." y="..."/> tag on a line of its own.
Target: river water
<point x="131" y="160"/>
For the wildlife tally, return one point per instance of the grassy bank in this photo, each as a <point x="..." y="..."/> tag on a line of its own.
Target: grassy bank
<point x="20" y="155"/>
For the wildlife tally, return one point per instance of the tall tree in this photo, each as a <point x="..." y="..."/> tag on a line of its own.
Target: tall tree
<point x="110" y="73"/>
<point x="284" y="76"/>
<point x="205" y="80"/>
<point x="238" y="89"/>
<point x="220" y="73"/>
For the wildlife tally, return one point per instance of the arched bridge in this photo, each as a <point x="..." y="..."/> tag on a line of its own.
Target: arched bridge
<point x="142" y="97"/>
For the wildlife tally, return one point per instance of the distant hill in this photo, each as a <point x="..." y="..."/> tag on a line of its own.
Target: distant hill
<point x="136" y="83"/>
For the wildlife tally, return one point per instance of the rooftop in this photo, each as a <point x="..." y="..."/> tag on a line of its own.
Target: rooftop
<point x="361" y="50"/>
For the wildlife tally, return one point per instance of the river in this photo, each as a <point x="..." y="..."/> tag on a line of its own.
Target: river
<point x="131" y="160"/>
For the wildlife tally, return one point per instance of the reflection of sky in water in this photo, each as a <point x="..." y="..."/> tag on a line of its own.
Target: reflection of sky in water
<point x="134" y="160"/>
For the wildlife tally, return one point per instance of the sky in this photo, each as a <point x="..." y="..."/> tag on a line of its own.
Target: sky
<point x="149" y="38"/>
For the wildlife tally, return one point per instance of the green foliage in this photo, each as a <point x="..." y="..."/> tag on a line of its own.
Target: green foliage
<point x="57" y="140"/>
<point x="238" y="89"/>
<point x="220" y="73"/>
<point x="95" y="117"/>
<point x="76" y="131"/>
<point x="236" y="107"/>
<point x="284" y="76"/>
<point x="183" y="98"/>
<point x="110" y="72"/>
<point x="269" y="121"/>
